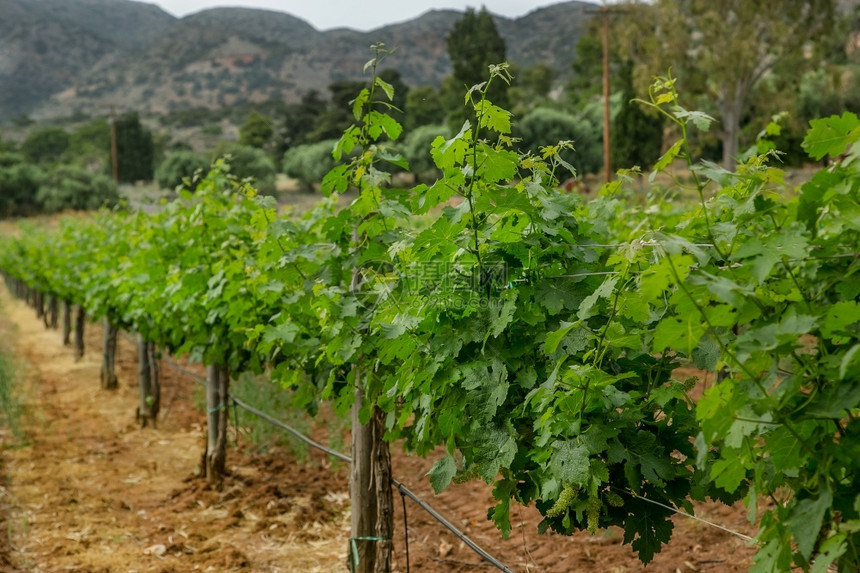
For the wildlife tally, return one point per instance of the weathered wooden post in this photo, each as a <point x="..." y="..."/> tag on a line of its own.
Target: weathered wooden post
<point x="80" y="322"/>
<point x="108" y="374"/>
<point x="67" y="323"/>
<point x="217" y="396"/>
<point x="148" y="383"/>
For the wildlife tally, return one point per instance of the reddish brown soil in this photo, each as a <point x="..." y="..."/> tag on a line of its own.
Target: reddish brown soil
<point x="90" y="491"/>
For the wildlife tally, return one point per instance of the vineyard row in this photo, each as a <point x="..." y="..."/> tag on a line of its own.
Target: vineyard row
<point x="486" y="314"/>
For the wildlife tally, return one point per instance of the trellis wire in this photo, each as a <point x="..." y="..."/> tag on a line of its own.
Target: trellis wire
<point x="404" y="491"/>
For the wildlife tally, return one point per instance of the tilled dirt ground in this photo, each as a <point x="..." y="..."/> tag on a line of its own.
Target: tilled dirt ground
<point x="91" y="491"/>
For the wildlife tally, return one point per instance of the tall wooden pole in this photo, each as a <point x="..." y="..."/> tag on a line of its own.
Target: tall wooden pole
<point x="607" y="160"/>
<point x="114" y="159"/>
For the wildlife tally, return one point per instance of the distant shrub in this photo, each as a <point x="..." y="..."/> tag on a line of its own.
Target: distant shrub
<point x="73" y="188"/>
<point x="178" y="166"/>
<point x="546" y="126"/>
<point x="19" y="184"/>
<point x="8" y="159"/>
<point x="416" y="149"/>
<point x="46" y="145"/>
<point x="309" y="162"/>
<point x="248" y="162"/>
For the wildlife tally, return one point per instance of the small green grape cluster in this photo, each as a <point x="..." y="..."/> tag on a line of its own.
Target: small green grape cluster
<point x="592" y="513"/>
<point x="614" y="499"/>
<point x="563" y="502"/>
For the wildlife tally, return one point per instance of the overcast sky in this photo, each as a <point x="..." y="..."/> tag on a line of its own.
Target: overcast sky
<point x="357" y="14"/>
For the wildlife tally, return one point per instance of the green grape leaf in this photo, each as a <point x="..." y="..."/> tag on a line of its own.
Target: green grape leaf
<point x="834" y="402"/>
<point x="439" y="237"/>
<point x="496" y="449"/>
<point x="502" y="313"/>
<point x="493" y="117"/>
<point x="285" y="332"/>
<point x="557" y="294"/>
<point x="377" y="123"/>
<point x="447" y="153"/>
<point x="707" y="354"/>
<point x="728" y="474"/>
<point x="785" y="450"/>
<point x="831" y="549"/>
<point x="700" y="119"/>
<point x="605" y="290"/>
<point x="680" y="333"/>
<point x="831" y="135"/>
<point x="386" y="87"/>
<point x="496" y="164"/>
<point x="500" y="514"/>
<point x="358" y="103"/>
<point x="645" y="450"/>
<point x="666" y="160"/>
<point x="553" y="339"/>
<point x="853" y="355"/>
<point x="442" y="473"/>
<point x="806" y="519"/>
<point x="647" y="528"/>
<point x="775" y="557"/>
<point x="336" y="180"/>
<point x="839" y="316"/>
<point x="570" y="463"/>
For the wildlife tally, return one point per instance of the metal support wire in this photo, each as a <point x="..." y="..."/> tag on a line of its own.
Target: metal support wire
<point x="746" y="538"/>
<point x="450" y="527"/>
<point x="404" y="491"/>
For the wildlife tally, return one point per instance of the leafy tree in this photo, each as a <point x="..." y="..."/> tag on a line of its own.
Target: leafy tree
<point x="46" y="145"/>
<point x="135" y="149"/>
<point x="89" y="146"/>
<point x="818" y="95"/>
<point x="530" y="87"/>
<point x="257" y="131"/>
<point x="538" y="79"/>
<point x="8" y="159"/>
<point x="179" y="166"/>
<point x="637" y="136"/>
<point x="301" y="119"/>
<point x="19" y="183"/>
<point x="474" y="44"/>
<point x="423" y="107"/>
<point x="250" y="162"/>
<point x="68" y="187"/>
<point x="723" y="49"/>
<point x="338" y="114"/>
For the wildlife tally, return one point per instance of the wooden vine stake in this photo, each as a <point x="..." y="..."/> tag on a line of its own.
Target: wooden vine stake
<point x="148" y="382"/>
<point x="39" y="304"/>
<point x="53" y="311"/>
<point x="80" y="322"/>
<point x="67" y="323"/>
<point x="370" y="494"/>
<point x="108" y="374"/>
<point x="371" y="500"/>
<point x="217" y="396"/>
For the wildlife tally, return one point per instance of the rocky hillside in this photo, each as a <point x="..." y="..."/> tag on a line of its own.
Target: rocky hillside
<point x="61" y="57"/>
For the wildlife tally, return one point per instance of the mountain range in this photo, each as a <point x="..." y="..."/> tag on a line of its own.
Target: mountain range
<point x="60" y="58"/>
